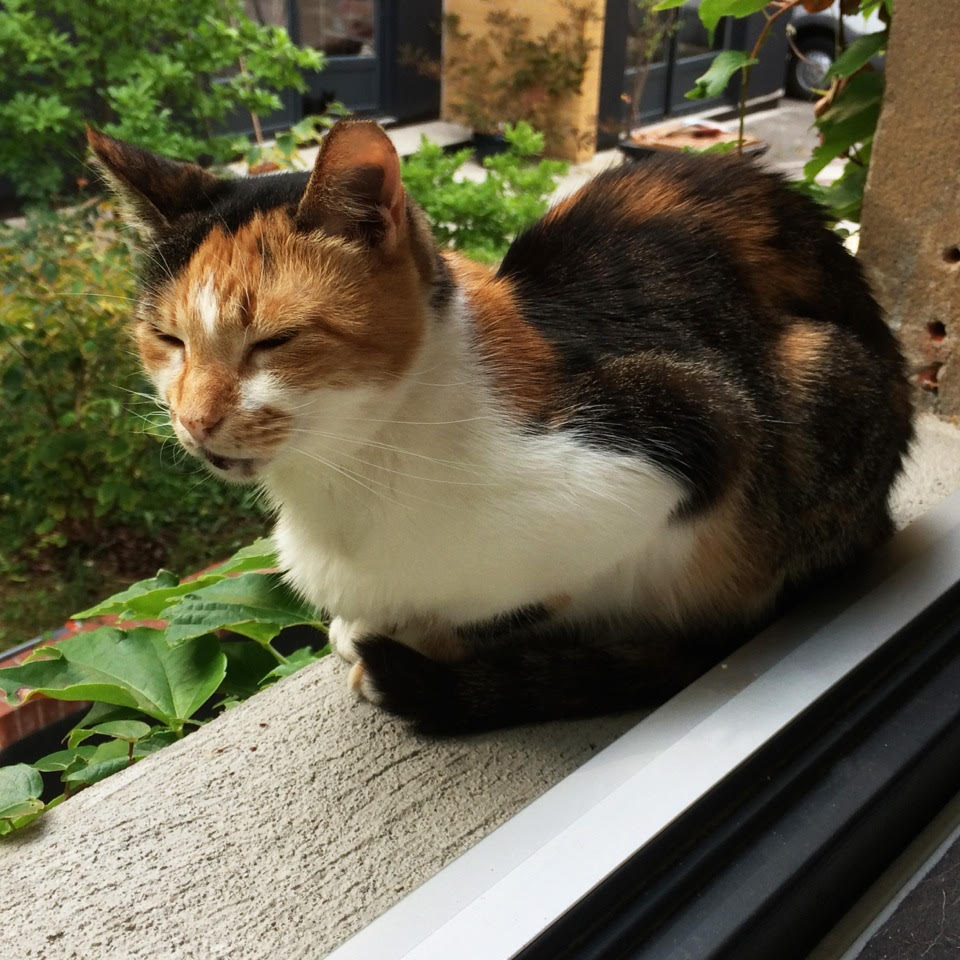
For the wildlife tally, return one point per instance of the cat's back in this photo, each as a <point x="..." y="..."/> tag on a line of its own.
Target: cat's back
<point x="698" y="310"/>
<point x="682" y="246"/>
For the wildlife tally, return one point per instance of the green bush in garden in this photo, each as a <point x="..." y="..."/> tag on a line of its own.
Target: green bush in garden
<point x="480" y="219"/>
<point x="149" y="686"/>
<point x="162" y="75"/>
<point x="84" y="445"/>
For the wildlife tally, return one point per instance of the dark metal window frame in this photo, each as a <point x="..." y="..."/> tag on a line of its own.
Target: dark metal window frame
<point x="742" y="818"/>
<point x="386" y="86"/>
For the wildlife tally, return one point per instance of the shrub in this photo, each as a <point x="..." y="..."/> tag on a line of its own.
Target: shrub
<point x="81" y="436"/>
<point x="162" y="75"/>
<point x="480" y="219"/>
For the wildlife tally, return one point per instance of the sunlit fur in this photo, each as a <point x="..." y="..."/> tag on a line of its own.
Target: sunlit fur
<point x="567" y="480"/>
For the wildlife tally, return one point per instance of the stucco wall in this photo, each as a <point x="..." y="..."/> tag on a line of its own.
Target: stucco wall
<point x="910" y="240"/>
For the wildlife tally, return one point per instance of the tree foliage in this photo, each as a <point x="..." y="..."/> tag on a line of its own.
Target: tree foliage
<point x="165" y="76"/>
<point x="847" y="113"/>
<point x="83" y="439"/>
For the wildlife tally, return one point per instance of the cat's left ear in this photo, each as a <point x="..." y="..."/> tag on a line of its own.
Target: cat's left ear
<point x="355" y="189"/>
<point x="153" y="191"/>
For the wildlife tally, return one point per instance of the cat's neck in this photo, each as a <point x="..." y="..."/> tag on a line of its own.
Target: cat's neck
<point x="427" y="424"/>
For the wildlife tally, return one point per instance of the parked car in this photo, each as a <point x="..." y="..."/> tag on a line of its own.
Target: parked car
<point x="815" y="39"/>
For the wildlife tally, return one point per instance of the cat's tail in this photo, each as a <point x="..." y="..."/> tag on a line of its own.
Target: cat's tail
<point x="544" y="673"/>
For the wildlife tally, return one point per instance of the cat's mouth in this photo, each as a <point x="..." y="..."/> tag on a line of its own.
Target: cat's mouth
<point x="233" y="467"/>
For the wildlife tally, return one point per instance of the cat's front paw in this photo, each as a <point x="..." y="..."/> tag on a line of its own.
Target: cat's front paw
<point x="344" y="636"/>
<point x="402" y="681"/>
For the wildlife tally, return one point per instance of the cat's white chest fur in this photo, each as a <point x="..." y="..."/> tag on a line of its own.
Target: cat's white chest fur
<point x="427" y="502"/>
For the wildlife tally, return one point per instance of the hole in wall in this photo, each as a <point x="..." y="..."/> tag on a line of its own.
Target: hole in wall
<point x="927" y="378"/>
<point x="937" y="330"/>
<point x="952" y="254"/>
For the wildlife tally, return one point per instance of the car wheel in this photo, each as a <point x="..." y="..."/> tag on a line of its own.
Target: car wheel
<point x="805" y="77"/>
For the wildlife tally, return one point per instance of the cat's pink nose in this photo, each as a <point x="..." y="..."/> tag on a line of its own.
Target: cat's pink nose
<point x="200" y="427"/>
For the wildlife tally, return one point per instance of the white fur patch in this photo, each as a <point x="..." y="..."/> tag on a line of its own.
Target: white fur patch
<point x="422" y="500"/>
<point x="344" y="635"/>
<point x="261" y="389"/>
<point x="206" y="306"/>
<point x="164" y="377"/>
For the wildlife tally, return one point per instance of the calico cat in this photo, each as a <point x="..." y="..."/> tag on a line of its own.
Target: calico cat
<point x="562" y="487"/>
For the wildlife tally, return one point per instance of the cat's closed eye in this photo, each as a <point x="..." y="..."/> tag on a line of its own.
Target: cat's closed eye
<point x="168" y="338"/>
<point x="278" y="340"/>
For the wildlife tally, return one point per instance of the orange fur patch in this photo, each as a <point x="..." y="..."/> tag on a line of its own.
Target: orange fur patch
<point x="802" y="351"/>
<point x="356" y="317"/>
<point x="731" y="572"/>
<point x="523" y="361"/>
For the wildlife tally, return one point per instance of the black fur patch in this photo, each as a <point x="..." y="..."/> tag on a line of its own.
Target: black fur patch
<point x="634" y="305"/>
<point x="233" y="206"/>
<point x="443" y="285"/>
<point x="485" y="631"/>
<point x="542" y="672"/>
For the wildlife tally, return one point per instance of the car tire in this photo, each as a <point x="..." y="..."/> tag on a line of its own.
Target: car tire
<point x="805" y="77"/>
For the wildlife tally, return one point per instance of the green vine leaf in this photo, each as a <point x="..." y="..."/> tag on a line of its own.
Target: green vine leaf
<point x="259" y="555"/>
<point x="145" y="599"/>
<point x="20" y="789"/>
<point x="711" y="12"/>
<point x="256" y="605"/>
<point x="715" y="80"/>
<point x="295" y="661"/>
<point x="248" y="662"/>
<point x="857" y="55"/>
<point x="127" y="730"/>
<point x="148" y="599"/>
<point x="157" y="740"/>
<point x="106" y="759"/>
<point x="63" y="760"/>
<point x="851" y="120"/>
<point x="136" y="669"/>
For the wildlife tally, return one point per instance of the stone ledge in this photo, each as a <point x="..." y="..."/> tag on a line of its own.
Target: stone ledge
<point x="293" y="820"/>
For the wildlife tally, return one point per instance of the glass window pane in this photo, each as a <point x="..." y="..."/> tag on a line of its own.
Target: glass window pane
<point x="272" y="12"/>
<point x="692" y="38"/>
<point x="648" y="36"/>
<point x="340" y="28"/>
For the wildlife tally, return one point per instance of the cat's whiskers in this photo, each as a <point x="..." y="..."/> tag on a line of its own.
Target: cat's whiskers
<point x="390" y="447"/>
<point x="424" y="423"/>
<point x="351" y="475"/>
<point x="99" y="296"/>
<point x="411" y="377"/>
<point x="155" y="252"/>
<point x="301" y="406"/>
<point x="412" y="476"/>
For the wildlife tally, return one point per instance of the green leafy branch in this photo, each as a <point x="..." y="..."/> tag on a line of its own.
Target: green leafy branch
<point x="847" y="114"/>
<point x="148" y="685"/>
<point x="284" y="152"/>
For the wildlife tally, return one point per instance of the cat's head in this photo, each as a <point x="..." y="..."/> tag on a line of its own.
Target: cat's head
<point x="274" y="306"/>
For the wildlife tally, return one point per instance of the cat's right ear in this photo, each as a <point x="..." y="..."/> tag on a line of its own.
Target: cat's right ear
<point x="153" y="191"/>
<point x="355" y="189"/>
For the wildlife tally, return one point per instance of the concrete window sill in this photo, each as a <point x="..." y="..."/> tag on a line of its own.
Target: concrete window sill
<point x="292" y="821"/>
